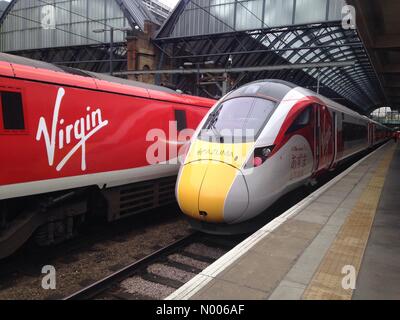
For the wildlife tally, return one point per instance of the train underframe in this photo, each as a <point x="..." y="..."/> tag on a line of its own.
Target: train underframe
<point x="56" y="217"/>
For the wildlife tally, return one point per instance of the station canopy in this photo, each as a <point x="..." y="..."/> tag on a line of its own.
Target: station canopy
<point x="276" y="32"/>
<point x="62" y="31"/>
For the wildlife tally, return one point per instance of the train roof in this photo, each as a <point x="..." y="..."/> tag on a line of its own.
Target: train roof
<point x="339" y="107"/>
<point x="24" y="68"/>
<point x="378" y="123"/>
<point x="271" y="88"/>
<point x="48" y="66"/>
<point x="278" y="89"/>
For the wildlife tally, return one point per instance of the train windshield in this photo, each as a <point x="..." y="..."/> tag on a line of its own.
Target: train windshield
<point x="238" y="120"/>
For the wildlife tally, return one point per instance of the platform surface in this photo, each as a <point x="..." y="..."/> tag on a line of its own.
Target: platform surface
<point x="346" y="233"/>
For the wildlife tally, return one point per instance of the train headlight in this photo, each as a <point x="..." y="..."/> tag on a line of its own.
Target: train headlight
<point x="259" y="156"/>
<point x="258" y="161"/>
<point x="266" y="152"/>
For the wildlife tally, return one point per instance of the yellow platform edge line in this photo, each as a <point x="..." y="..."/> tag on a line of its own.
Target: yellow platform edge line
<point x="350" y="243"/>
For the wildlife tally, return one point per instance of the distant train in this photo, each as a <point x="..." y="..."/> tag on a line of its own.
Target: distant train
<point x="231" y="176"/>
<point x="73" y="144"/>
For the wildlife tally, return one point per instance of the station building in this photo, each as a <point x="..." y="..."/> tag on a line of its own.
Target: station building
<point x="345" y="50"/>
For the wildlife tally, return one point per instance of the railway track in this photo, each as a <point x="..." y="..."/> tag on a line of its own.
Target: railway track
<point x="162" y="272"/>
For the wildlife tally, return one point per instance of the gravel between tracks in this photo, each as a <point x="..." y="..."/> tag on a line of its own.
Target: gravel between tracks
<point x="202" y="249"/>
<point x="137" y="285"/>
<point x="170" y="272"/>
<point x="188" y="261"/>
<point x="85" y="266"/>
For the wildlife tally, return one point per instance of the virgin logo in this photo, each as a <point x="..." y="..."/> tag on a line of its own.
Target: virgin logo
<point x="61" y="134"/>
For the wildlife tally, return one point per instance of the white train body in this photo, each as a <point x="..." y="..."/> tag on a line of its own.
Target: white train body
<point x="230" y="177"/>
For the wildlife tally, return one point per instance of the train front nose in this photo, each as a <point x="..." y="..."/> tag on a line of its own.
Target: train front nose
<point x="212" y="191"/>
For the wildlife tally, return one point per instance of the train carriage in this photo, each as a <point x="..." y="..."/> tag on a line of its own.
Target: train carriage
<point x="71" y="139"/>
<point x="230" y="177"/>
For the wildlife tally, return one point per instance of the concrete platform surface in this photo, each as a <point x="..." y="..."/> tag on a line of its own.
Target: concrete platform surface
<point x="344" y="235"/>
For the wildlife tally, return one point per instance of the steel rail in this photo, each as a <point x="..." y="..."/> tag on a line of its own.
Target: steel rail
<point x="104" y="284"/>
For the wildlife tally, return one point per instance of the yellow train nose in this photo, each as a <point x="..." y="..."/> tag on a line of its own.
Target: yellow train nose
<point x="204" y="187"/>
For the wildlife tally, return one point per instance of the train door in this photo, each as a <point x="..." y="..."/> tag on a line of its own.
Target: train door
<point x="325" y="137"/>
<point x="316" y="137"/>
<point x="335" y="138"/>
<point x="370" y="134"/>
<point x="373" y="134"/>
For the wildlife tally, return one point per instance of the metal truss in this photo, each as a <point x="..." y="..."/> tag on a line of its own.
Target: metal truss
<point x="357" y="86"/>
<point x="93" y="58"/>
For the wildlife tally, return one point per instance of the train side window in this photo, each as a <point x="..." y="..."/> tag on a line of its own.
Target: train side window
<point x="302" y="120"/>
<point x="12" y="111"/>
<point x="180" y="118"/>
<point x="352" y="132"/>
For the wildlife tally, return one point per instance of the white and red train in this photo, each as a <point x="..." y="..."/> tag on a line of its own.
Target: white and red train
<point x="258" y="143"/>
<point x="74" y="143"/>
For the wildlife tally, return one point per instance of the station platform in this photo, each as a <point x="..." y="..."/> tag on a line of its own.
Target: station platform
<point x="346" y="233"/>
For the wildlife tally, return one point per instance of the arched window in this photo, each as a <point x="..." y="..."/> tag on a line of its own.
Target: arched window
<point x="386" y="115"/>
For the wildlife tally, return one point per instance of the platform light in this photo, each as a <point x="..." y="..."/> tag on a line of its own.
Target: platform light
<point x="230" y="60"/>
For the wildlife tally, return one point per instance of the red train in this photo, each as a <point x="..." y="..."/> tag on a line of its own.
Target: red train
<point x="74" y="145"/>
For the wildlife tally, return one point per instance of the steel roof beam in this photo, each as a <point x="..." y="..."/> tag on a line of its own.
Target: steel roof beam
<point x="242" y="69"/>
<point x="265" y="51"/>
